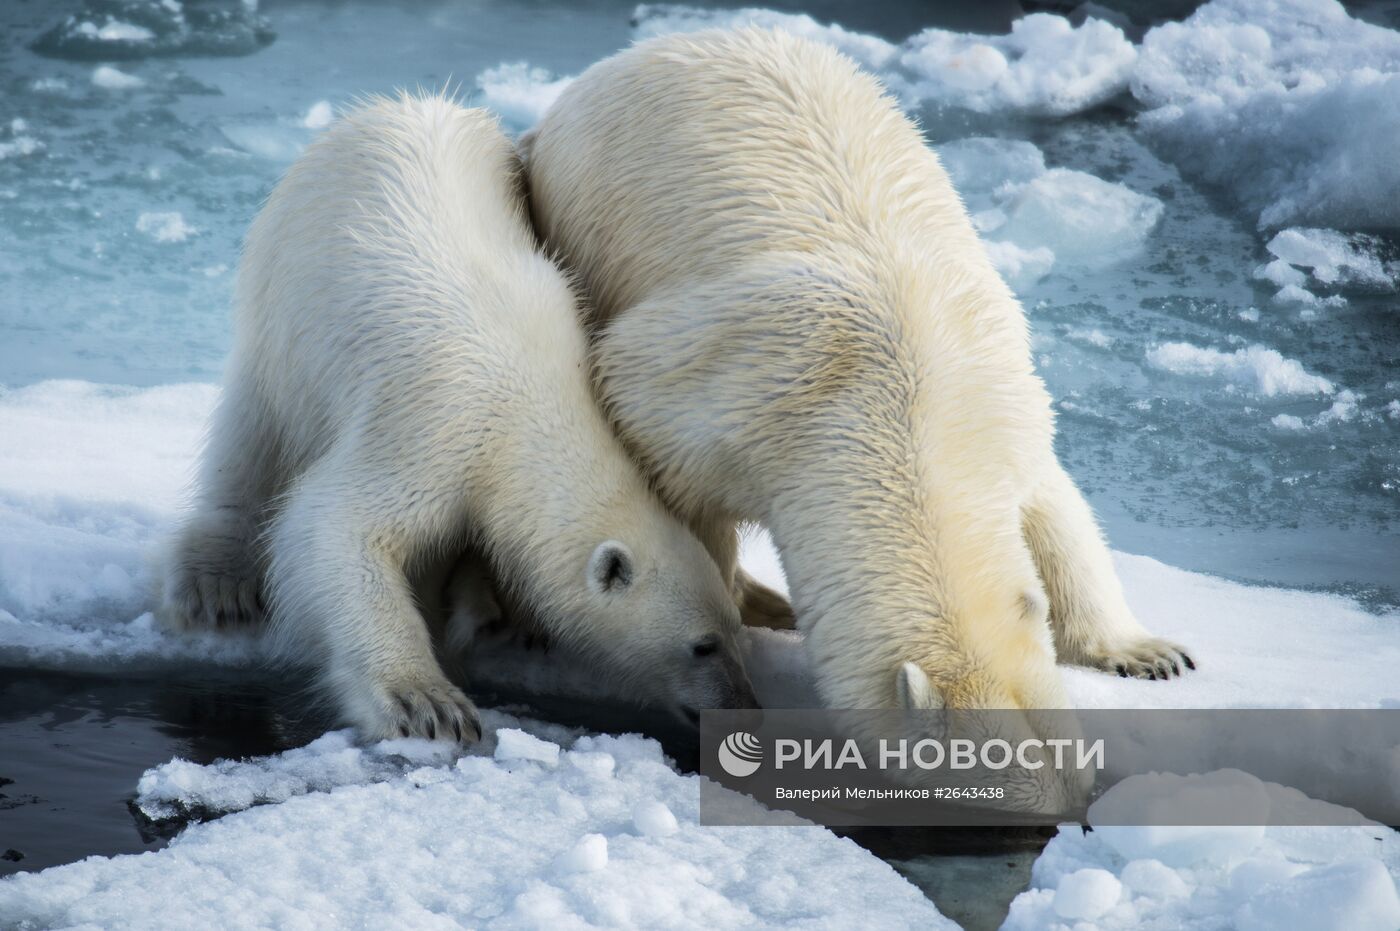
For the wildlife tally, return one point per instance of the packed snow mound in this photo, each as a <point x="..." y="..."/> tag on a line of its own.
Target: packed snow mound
<point x="1034" y="219"/>
<point x="1256" y="368"/>
<point x="1288" y="104"/>
<point x="111" y="30"/>
<point x="473" y="842"/>
<point x="1198" y="878"/>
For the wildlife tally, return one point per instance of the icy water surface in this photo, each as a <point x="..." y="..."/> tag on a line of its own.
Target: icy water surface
<point x="124" y="195"/>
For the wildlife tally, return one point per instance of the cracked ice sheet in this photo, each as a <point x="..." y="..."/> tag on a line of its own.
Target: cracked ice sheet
<point x="505" y="843"/>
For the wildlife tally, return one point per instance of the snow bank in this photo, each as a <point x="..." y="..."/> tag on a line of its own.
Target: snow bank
<point x="1198" y="878"/>
<point x="478" y="841"/>
<point x="1033" y="218"/>
<point x="1288" y="104"/>
<point x="90" y="479"/>
<point x="1257" y="368"/>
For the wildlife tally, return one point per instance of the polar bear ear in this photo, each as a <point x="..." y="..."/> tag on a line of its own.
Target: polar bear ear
<point x="915" y="692"/>
<point x="610" y="568"/>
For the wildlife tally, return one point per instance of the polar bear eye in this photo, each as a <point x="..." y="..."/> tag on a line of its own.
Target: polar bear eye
<point x="705" y="646"/>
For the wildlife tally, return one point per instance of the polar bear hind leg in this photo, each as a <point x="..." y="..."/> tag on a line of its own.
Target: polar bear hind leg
<point x="1089" y="616"/>
<point x="216" y="574"/>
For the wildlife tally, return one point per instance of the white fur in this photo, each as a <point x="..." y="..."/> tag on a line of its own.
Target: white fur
<point x="408" y="380"/>
<point x="797" y="325"/>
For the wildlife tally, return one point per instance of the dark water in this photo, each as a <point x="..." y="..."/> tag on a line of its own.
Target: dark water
<point x="73" y="747"/>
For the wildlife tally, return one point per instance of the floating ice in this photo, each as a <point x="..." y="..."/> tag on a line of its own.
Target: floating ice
<point x="1045" y="67"/>
<point x="519" y="93"/>
<point x="319" y="116"/>
<point x="1258" y="368"/>
<point x="474" y="844"/>
<point x="1332" y="258"/>
<point x="114" y="79"/>
<point x="169" y="226"/>
<point x="1288" y="104"/>
<point x="1032" y="218"/>
<point x="106" y="30"/>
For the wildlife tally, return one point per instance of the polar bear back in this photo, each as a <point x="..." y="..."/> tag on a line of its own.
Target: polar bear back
<point x="394" y="262"/>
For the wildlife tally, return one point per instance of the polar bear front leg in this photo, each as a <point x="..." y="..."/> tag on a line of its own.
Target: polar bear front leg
<point x="340" y="579"/>
<point x="1092" y="623"/>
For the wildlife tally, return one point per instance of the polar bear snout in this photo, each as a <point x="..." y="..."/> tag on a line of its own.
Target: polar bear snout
<point x="715" y="680"/>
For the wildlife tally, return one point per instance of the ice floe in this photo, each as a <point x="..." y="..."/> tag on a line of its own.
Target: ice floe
<point x="1256" y="368"/>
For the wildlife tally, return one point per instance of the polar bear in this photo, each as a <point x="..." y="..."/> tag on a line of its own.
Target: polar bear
<point x="797" y="325"/>
<point x="409" y="380"/>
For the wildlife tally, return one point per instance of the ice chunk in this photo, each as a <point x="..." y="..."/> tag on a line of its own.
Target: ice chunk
<point x="653" y="819"/>
<point x="1087" y="894"/>
<point x="513" y="744"/>
<point x="168" y="226"/>
<point x="319" y="116"/>
<point x="589" y="855"/>
<point x="276" y="142"/>
<point x="107" y="30"/>
<point x="1045" y="67"/>
<point x="113" y="79"/>
<point x="519" y="93"/>
<point x="656" y="19"/>
<point x="1287" y="104"/>
<point x="1333" y="258"/>
<point x="1021" y="268"/>
<point x="1084" y="220"/>
<point x="980" y="166"/>
<point x="1249" y="877"/>
<point x="1256" y="367"/>
<point x="1355" y="896"/>
<point x="1153" y="797"/>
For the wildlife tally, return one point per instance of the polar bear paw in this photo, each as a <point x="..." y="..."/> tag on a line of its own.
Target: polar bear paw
<point x="1142" y="658"/>
<point x="214" y="580"/>
<point x="434" y="710"/>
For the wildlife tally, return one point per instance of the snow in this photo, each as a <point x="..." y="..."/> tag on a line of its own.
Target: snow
<point x="478" y="841"/>
<point x="1257" y="368"/>
<point x="589" y="855"/>
<point x="653" y="819"/>
<point x="1287" y="104"/>
<point x="519" y="93"/>
<point x="114" y="30"/>
<point x="515" y="744"/>
<point x="1087" y="894"/>
<point x="165" y="226"/>
<point x="114" y="79"/>
<point x="1205" y="878"/>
